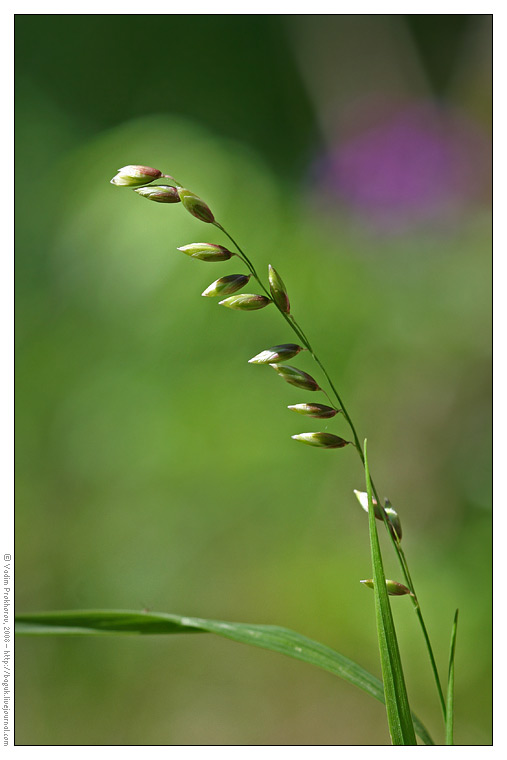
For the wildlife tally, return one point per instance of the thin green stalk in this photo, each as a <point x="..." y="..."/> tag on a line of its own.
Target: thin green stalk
<point x="252" y="269"/>
<point x="291" y="321"/>
<point x="418" y="612"/>
<point x="417" y="607"/>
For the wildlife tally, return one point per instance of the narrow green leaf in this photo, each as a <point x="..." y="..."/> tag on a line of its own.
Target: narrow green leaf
<point x="449" y="722"/>
<point x="282" y="640"/>
<point x="399" y="717"/>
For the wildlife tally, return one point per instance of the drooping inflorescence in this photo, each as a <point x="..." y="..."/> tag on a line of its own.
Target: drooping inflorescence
<point x="140" y="179"/>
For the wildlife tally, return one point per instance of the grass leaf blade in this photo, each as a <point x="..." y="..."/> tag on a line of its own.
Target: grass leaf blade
<point x="273" y="638"/>
<point x="449" y="723"/>
<point x="401" y="727"/>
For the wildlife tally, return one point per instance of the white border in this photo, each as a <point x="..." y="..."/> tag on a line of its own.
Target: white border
<point x="195" y="7"/>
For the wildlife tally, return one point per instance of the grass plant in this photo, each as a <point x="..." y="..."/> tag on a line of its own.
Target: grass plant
<point x="403" y="724"/>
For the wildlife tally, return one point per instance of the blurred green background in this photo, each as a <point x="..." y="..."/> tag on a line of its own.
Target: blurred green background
<point x="154" y="464"/>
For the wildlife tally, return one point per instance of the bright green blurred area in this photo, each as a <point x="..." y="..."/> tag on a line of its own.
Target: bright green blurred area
<point x="155" y="467"/>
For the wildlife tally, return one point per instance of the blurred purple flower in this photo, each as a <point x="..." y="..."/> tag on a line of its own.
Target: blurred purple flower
<point x="407" y="165"/>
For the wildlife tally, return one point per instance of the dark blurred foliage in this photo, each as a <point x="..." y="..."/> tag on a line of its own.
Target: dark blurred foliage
<point x="236" y="74"/>
<point x="154" y="464"/>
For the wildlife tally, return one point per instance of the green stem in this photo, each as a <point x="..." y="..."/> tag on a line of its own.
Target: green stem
<point x="168" y="176"/>
<point x="418" y="612"/>
<point x="399" y="551"/>
<point x="252" y="269"/>
<point x="396" y="544"/>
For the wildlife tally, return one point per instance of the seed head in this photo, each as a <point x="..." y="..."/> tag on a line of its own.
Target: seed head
<point x="323" y="440"/>
<point x="159" y="193"/>
<point x="392" y="517"/>
<point x="276" y="354"/>
<point x="133" y="176"/>
<point x="362" y="498"/>
<point x="296" y="377"/>
<point x="246" y="302"/>
<point x="391" y="514"/>
<point x="278" y="290"/>
<point x="393" y="587"/>
<point x="207" y="251"/>
<point x="320" y="411"/>
<point x="225" y="285"/>
<point x="195" y="205"/>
